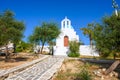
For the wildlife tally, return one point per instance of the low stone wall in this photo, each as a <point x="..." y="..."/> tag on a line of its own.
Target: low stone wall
<point x="87" y="50"/>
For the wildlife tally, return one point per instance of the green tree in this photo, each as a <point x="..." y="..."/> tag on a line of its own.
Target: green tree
<point x="10" y="29"/>
<point x="108" y="38"/>
<point x="74" y="49"/>
<point x="88" y="31"/>
<point x="44" y="33"/>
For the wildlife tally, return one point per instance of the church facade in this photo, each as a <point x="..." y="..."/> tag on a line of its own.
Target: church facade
<point x="67" y="34"/>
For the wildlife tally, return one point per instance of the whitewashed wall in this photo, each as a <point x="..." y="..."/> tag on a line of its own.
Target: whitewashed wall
<point x="87" y="50"/>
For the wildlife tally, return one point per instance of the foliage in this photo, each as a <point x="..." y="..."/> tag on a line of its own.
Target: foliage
<point x="64" y="76"/>
<point x="10" y="29"/>
<point x="88" y="31"/>
<point x="107" y="34"/>
<point x="44" y="33"/>
<point x="81" y="74"/>
<point x="74" y="49"/>
<point x="23" y="47"/>
<point x="73" y="54"/>
<point x="84" y="75"/>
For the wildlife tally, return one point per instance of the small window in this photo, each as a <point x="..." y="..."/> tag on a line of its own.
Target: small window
<point x="64" y="24"/>
<point x="67" y="22"/>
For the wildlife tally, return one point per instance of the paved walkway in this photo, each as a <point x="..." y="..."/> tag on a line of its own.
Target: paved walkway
<point x="43" y="70"/>
<point x="11" y="71"/>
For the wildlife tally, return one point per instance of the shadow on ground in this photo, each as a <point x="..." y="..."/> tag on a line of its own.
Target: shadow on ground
<point x="16" y="59"/>
<point x="102" y="63"/>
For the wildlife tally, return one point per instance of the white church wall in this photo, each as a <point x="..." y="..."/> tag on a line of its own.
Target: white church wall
<point x="71" y="34"/>
<point x="84" y="50"/>
<point x="59" y="41"/>
<point x="61" y="51"/>
<point x="87" y="50"/>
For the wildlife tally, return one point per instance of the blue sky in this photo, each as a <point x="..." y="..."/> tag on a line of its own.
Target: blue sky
<point x="80" y="12"/>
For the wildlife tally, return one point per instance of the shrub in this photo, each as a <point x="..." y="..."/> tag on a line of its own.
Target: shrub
<point x="74" y="49"/>
<point x="84" y="75"/>
<point x="23" y="47"/>
<point x="73" y="54"/>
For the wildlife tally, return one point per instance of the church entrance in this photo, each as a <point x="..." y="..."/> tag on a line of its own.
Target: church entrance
<point x="66" y="41"/>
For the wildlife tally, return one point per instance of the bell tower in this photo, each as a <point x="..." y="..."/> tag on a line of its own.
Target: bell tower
<point x="67" y="34"/>
<point x="65" y="23"/>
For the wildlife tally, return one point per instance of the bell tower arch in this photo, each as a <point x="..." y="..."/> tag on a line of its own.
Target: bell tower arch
<point x="65" y="23"/>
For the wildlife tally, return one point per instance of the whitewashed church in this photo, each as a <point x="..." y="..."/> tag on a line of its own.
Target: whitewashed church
<point x="67" y="34"/>
<point x="62" y="42"/>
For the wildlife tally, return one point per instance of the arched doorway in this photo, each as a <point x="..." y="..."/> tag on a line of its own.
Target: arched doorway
<point x="66" y="41"/>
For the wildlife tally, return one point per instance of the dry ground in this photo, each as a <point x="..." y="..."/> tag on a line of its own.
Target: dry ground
<point x="17" y="60"/>
<point x="72" y="68"/>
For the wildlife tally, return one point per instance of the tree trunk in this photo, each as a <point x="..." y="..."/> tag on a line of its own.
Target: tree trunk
<point x="14" y="48"/>
<point x="112" y="67"/>
<point x="42" y="48"/>
<point x="6" y="53"/>
<point x="90" y="40"/>
<point x="91" y="45"/>
<point x="52" y="50"/>
<point x="114" y="56"/>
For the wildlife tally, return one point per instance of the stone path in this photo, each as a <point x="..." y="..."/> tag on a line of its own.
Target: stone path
<point x="11" y="71"/>
<point x="43" y="70"/>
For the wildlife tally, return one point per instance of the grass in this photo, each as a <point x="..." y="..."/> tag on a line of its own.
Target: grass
<point x="84" y="75"/>
<point x="66" y="76"/>
<point x="78" y="70"/>
<point x="73" y="74"/>
<point x="69" y="60"/>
